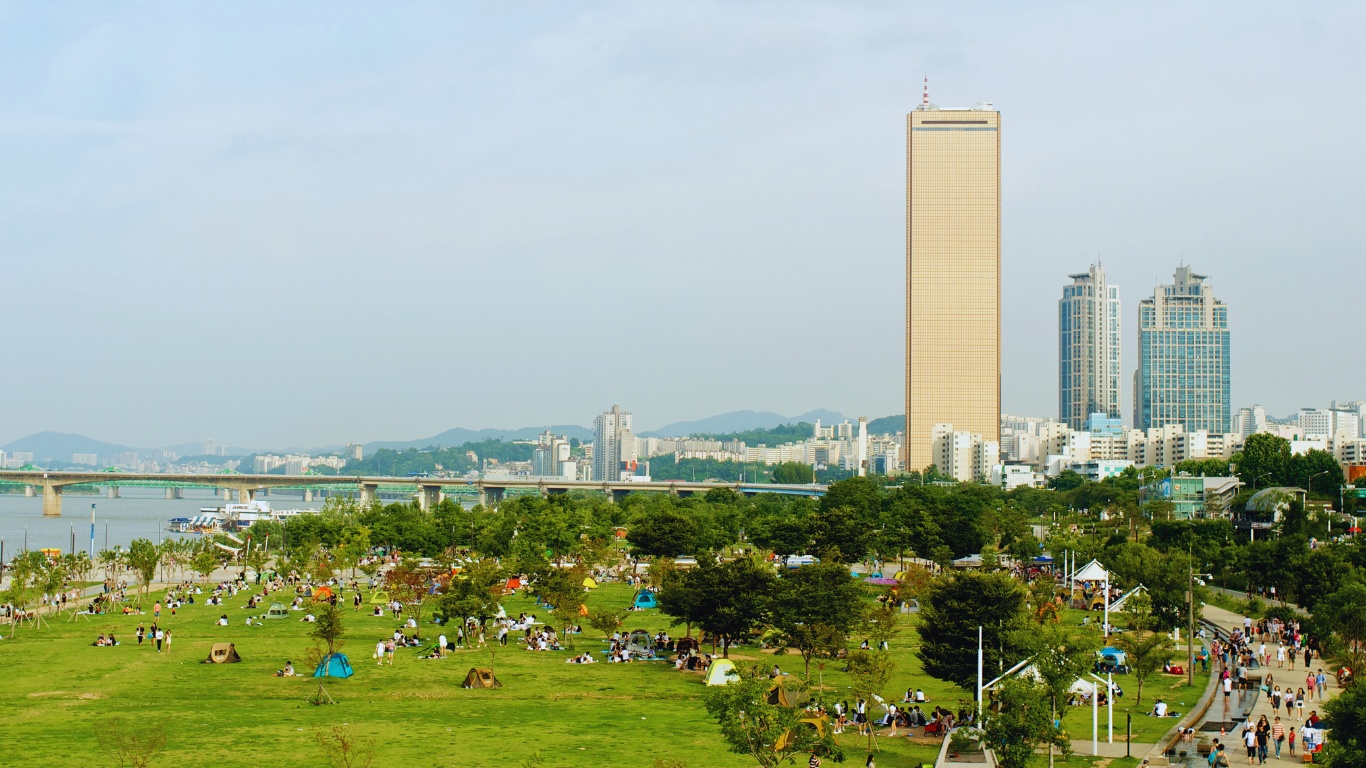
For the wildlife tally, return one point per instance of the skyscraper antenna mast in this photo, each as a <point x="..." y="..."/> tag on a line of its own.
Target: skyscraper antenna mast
<point x="925" y="100"/>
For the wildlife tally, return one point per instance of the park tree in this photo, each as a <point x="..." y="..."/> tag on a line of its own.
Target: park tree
<point x="950" y="615"/>
<point x="562" y="590"/>
<point x="729" y="600"/>
<point x="329" y="626"/>
<point x="1022" y="723"/>
<point x="770" y="734"/>
<point x="869" y="674"/>
<point x="475" y="593"/>
<point x="204" y="562"/>
<point x="908" y="527"/>
<point x="1343" y="613"/>
<point x="1346" y="747"/>
<point x="1148" y="650"/>
<point x="411" y="587"/>
<point x="1060" y="656"/>
<point x="134" y="744"/>
<point x="143" y="558"/>
<point x="793" y="473"/>
<point x="816" y="607"/>
<point x="1264" y="460"/>
<point x="666" y="532"/>
<point x="22" y="572"/>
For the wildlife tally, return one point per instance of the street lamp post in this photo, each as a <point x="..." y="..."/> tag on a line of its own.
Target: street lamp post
<point x="1309" y="489"/>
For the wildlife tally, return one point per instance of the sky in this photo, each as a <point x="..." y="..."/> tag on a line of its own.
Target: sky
<point x="314" y="223"/>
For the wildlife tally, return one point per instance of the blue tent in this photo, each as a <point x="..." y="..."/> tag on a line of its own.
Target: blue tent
<point x="335" y="665"/>
<point x="645" y="599"/>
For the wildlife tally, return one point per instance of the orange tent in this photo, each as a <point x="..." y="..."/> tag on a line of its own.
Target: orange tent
<point x="322" y="594"/>
<point x="583" y="609"/>
<point x="514" y="583"/>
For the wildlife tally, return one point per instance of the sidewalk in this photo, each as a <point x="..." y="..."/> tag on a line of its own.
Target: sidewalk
<point x="1295" y="678"/>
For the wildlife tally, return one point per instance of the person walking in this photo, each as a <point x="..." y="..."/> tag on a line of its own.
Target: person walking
<point x="1277" y="735"/>
<point x="1309" y="681"/>
<point x="1299" y="704"/>
<point x="389" y="651"/>
<point x="1321" y="681"/>
<point x="1263" y="739"/>
<point x="379" y="652"/>
<point x="168" y="641"/>
<point x="160" y="635"/>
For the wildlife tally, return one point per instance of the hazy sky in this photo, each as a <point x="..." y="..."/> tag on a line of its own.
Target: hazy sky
<point x="292" y="223"/>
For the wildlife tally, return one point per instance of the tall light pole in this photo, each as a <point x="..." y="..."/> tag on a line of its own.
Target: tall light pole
<point x="92" y="532"/>
<point x="1309" y="489"/>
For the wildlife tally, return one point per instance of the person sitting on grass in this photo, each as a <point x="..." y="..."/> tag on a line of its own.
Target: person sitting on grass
<point x="309" y="618"/>
<point x="100" y="642"/>
<point x="223" y="620"/>
<point x="379" y="613"/>
<point x="585" y="658"/>
<point x="1159" y="709"/>
<point x="288" y="671"/>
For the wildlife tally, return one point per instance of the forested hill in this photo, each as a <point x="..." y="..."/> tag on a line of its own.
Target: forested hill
<point x="387" y="461"/>
<point x="783" y="433"/>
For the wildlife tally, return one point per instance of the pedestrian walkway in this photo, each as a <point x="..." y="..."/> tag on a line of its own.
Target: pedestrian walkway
<point x="1262" y="706"/>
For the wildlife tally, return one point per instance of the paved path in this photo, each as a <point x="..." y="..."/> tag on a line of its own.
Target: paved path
<point x="1233" y="743"/>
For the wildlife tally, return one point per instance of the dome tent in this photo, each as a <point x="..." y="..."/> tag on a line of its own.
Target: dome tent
<point x="334" y="665"/>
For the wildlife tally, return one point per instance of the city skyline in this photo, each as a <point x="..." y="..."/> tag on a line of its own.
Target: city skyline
<point x="223" y="207"/>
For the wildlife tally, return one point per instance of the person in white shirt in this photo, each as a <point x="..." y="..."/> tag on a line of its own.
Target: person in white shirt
<point x="1160" y="708"/>
<point x="441" y="646"/>
<point x="379" y="652"/>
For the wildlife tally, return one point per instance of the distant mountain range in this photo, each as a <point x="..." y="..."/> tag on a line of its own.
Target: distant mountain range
<point x="459" y="436"/>
<point x="740" y="421"/>
<point x="59" y="446"/>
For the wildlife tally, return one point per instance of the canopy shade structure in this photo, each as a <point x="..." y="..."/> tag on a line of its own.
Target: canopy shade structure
<point x="1092" y="571"/>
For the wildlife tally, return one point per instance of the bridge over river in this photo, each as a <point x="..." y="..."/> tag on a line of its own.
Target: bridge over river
<point x="428" y="490"/>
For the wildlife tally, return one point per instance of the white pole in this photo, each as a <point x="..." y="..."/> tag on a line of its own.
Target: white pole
<point x="1095" y="719"/>
<point x="1107" y="603"/>
<point x="1110" y="705"/>
<point x="979" y="676"/>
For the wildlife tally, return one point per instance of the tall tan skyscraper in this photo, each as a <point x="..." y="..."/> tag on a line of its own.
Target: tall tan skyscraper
<point x="953" y="275"/>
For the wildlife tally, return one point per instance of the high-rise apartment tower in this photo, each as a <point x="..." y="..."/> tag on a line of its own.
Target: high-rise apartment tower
<point x="953" y="275"/>
<point x="614" y="447"/>
<point x="1183" y="358"/>
<point x="1088" y="348"/>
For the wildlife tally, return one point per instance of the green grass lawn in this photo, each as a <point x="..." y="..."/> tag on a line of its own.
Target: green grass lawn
<point x="58" y="689"/>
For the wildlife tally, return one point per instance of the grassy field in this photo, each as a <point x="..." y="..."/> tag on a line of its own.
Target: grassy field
<point x="58" y="689"/>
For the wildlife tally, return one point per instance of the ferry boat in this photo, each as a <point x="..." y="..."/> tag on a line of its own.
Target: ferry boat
<point x="232" y="517"/>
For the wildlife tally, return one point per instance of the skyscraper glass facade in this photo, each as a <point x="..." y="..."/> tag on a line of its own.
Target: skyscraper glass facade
<point x="953" y="275"/>
<point x="1088" y="349"/>
<point x="1183" y="358"/>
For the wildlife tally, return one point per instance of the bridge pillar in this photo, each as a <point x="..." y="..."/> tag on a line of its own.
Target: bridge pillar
<point x="226" y="494"/>
<point x="368" y="492"/>
<point x="30" y="491"/>
<point x="52" y="500"/>
<point x="618" y="494"/>
<point x="495" y="495"/>
<point x="245" y="495"/>
<point x="308" y="494"/>
<point x="429" y="496"/>
<point x="112" y="491"/>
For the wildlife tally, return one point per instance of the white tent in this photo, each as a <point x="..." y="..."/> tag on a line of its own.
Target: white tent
<point x="1094" y="571"/>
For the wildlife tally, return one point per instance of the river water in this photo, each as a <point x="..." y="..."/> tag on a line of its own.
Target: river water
<point x="138" y="513"/>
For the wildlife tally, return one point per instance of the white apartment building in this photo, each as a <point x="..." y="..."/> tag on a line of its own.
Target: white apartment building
<point x="963" y="456"/>
<point x="1088" y="348"/>
<point x="1249" y="421"/>
<point x="614" y="447"/>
